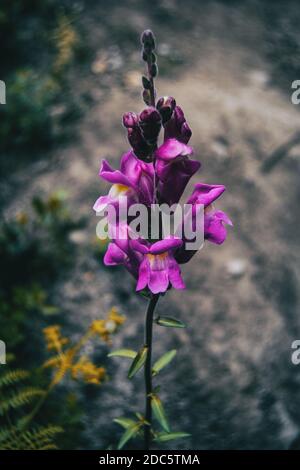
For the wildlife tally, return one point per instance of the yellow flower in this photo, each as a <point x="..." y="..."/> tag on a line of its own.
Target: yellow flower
<point x="104" y="328"/>
<point x="116" y="317"/>
<point x="54" y="339"/>
<point x="88" y="371"/>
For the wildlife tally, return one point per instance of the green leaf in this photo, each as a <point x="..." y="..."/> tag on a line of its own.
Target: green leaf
<point x="164" y="437"/>
<point x="138" y="362"/>
<point x="125" y="422"/>
<point x="159" y="412"/>
<point x="129" y="434"/>
<point x="163" y="361"/>
<point x="123" y="353"/>
<point x="170" y="322"/>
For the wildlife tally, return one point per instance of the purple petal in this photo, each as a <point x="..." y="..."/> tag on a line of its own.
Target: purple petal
<point x="144" y="274"/>
<point x="114" y="255"/>
<point x="158" y="281"/>
<point x="113" y="176"/>
<point x="175" y="274"/>
<point x="140" y="246"/>
<point x="165" y="245"/>
<point x="214" y="229"/>
<point x="206" y="193"/>
<point x="171" y="149"/>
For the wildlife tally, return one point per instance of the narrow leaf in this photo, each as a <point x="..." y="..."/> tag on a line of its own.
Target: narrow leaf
<point x="123" y="353"/>
<point x="159" y="412"/>
<point x="170" y="322"/>
<point x="164" y="437"/>
<point x="163" y="361"/>
<point x="138" y="362"/>
<point x="129" y="434"/>
<point x="125" y="422"/>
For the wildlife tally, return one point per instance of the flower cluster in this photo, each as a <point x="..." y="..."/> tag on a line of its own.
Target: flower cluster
<point x="150" y="174"/>
<point x="68" y="357"/>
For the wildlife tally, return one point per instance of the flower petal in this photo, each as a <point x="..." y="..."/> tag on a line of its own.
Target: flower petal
<point x="214" y="229"/>
<point x="144" y="274"/>
<point x="165" y="245"/>
<point x="114" y="255"/>
<point x="171" y="149"/>
<point x="206" y="193"/>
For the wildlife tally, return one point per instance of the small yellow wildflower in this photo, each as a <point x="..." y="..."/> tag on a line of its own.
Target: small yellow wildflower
<point x="116" y="317"/>
<point x="88" y="371"/>
<point x="54" y="339"/>
<point x="104" y="328"/>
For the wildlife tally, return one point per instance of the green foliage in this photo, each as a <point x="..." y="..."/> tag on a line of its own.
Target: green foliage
<point x="123" y="353"/>
<point x="163" y="361"/>
<point x="138" y="362"/>
<point x="169" y="322"/>
<point x="130" y="432"/>
<point x="165" y="437"/>
<point x="159" y="412"/>
<point x="17" y="401"/>
<point x="34" y="250"/>
<point x="42" y="43"/>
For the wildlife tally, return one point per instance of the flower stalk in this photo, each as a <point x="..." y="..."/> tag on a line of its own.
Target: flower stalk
<point x="148" y="369"/>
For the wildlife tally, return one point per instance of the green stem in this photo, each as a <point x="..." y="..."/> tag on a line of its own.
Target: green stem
<point x="148" y="368"/>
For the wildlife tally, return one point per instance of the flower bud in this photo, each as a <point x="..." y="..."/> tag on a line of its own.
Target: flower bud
<point x="186" y="133"/>
<point x="147" y="39"/>
<point x="138" y="143"/>
<point x="153" y="70"/>
<point x="130" y="120"/>
<point x="166" y="106"/>
<point x="146" y="83"/>
<point x="147" y="97"/>
<point x="150" y="123"/>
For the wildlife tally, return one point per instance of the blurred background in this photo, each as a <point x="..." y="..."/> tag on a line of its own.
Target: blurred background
<point x="72" y="68"/>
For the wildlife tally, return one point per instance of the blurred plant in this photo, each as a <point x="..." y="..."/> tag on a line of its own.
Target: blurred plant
<point x="68" y="357"/>
<point x="39" y="101"/>
<point x="20" y="404"/>
<point x="151" y="174"/>
<point x="35" y="250"/>
<point x="65" y="38"/>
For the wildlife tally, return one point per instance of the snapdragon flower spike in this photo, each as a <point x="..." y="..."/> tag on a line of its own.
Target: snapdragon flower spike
<point x="158" y="269"/>
<point x="177" y="127"/>
<point x="214" y="220"/>
<point x="174" y="169"/>
<point x="134" y="180"/>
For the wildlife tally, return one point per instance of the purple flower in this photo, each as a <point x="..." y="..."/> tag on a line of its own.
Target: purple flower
<point x="177" y="127"/>
<point x="134" y="180"/>
<point x="121" y="252"/>
<point x="174" y="169"/>
<point x="158" y="269"/>
<point x="214" y="220"/>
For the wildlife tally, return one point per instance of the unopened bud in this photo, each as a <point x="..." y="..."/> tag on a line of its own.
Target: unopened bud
<point x="130" y="119"/>
<point x="146" y="83"/>
<point x="147" y="97"/>
<point x="148" y="40"/>
<point x="150" y="123"/>
<point x="186" y="133"/>
<point x="153" y="70"/>
<point x="166" y="106"/>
